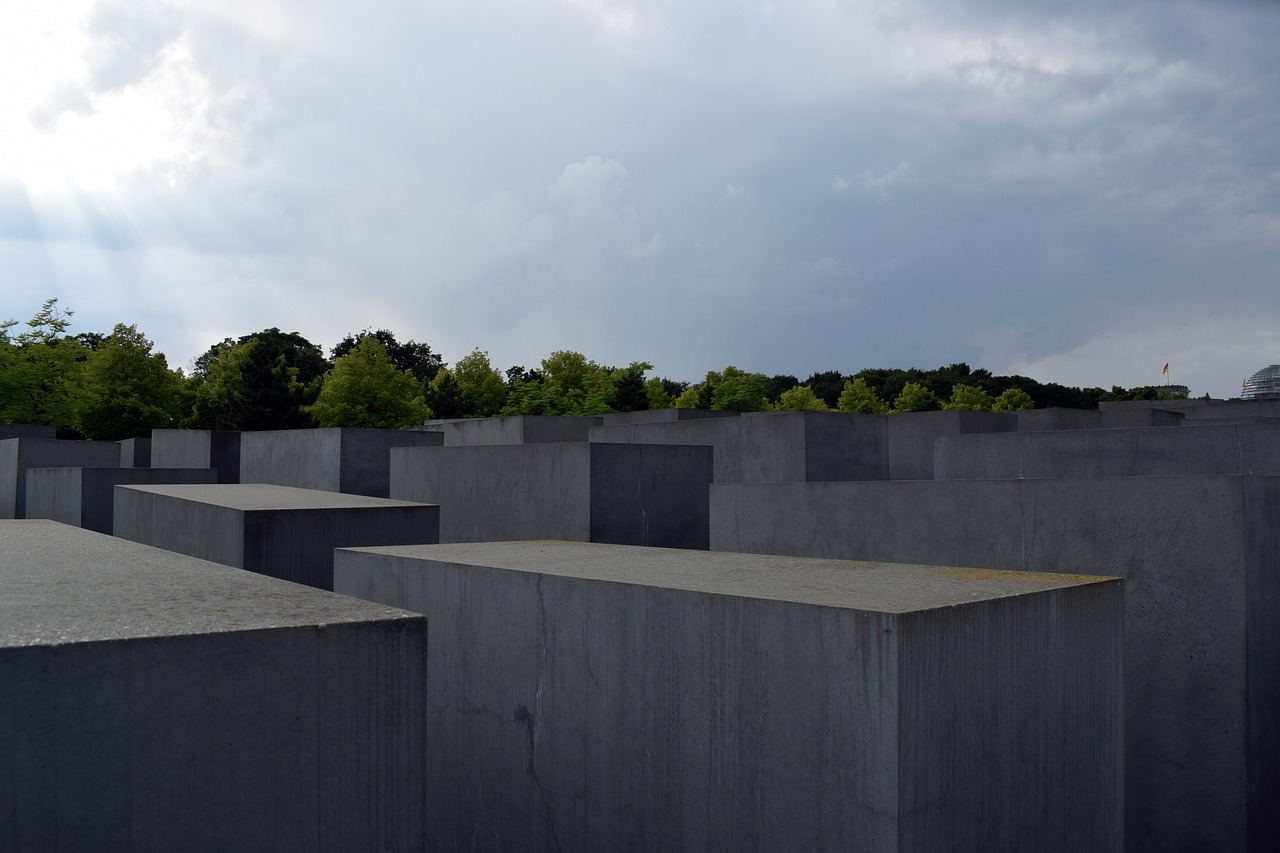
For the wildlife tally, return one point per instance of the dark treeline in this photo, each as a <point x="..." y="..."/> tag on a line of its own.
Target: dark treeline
<point x="113" y="386"/>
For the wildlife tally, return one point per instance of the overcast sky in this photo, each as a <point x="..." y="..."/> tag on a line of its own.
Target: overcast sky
<point x="1077" y="191"/>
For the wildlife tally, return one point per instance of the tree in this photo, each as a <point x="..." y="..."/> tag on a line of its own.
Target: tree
<point x="128" y="390"/>
<point x="828" y="386"/>
<point x="775" y="385"/>
<point x="970" y="398"/>
<point x="415" y="358"/>
<point x="802" y="399"/>
<point x="365" y="389"/>
<point x="264" y="381"/>
<point x="656" y="391"/>
<point x="1012" y="400"/>
<point x="443" y="397"/>
<point x="915" y="398"/>
<point x="857" y="398"/>
<point x="689" y="398"/>
<point x="572" y="384"/>
<point x="40" y="371"/>
<point x="739" y="391"/>
<point x="481" y="387"/>
<point x="630" y="392"/>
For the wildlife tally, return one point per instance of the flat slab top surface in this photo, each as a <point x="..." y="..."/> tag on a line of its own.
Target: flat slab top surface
<point x="881" y="587"/>
<point x="260" y="496"/>
<point x="60" y="584"/>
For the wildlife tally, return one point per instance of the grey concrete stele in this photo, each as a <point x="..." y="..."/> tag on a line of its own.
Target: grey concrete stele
<point x="153" y="701"/>
<point x="1199" y="555"/>
<point x="19" y="454"/>
<point x="351" y="461"/>
<point x="616" y="493"/>
<point x="590" y="697"/>
<point x="85" y="497"/>
<point x="1230" y="449"/>
<point x="515" y="429"/>
<point x="135" y="452"/>
<point x="280" y="531"/>
<point x="218" y="449"/>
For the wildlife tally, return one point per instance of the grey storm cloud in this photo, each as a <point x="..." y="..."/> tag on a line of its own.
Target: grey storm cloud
<point x="1066" y="189"/>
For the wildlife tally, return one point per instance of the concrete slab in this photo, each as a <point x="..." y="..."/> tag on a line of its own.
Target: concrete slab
<point x="765" y="447"/>
<point x="910" y="437"/>
<point x="651" y="416"/>
<point x="17" y="455"/>
<point x="516" y="429"/>
<point x="588" y="697"/>
<point x="85" y="497"/>
<point x="135" y="452"/>
<point x="1232" y="449"/>
<point x="157" y="702"/>
<point x="198" y="448"/>
<point x="280" y="531"/>
<point x="616" y="493"/>
<point x="351" y="461"/>
<point x="1199" y="557"/>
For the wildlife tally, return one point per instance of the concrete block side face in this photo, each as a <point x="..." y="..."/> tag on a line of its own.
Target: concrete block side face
<point x="1012" y="723"/>
<point x="302" y="458"/>
<point x="8" y="431"/>
<point x="224" y="741"/>
<point x="135" y="453"/>
<point x="1177" y="542"/>
<point x="188" y="527"/>
<point x="55" y="493"/>
<point x="1262" y="543"/>
<point x="365" y="467"/>
<point x="55" y="453"/>
<point x="297" y="545"/>
<point x="771" y="447"/>
<point x="548" y="429"/>
<point x="845" y="447"/>
<point x="723" y="434"/>
<point x="9" y="478"/>
<point x="499" y="492"/>
<point x="181" y="448"/>
<point x="650" y="495"/>
<point x="570" y="714"/>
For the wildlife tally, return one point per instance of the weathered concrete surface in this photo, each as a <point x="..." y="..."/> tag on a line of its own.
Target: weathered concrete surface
<point x="516" y="429"/>
<point x="651" y="416"/>
<point x="910" y="437"/>
<point x="19" y="454"/>
<point x="280" y="531"/>
<point x="1059" y="418"/>
<point x="589" y="697"/>
<point x="1199" y="556"/>
<point x="85" y="497"/>
<point x="615" y="493"/>
<point x="135" y="452"/>
<point x="27" y="431"/>
<point x="351" y="461"/>
<point x="153" y="701"/>
<point x="766" y="447"/>
<point x="198" y="448"/>
<point x="1235" y="449"/>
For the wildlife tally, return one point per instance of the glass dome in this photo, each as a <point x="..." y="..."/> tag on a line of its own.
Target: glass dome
<point x="1265" y="381"/>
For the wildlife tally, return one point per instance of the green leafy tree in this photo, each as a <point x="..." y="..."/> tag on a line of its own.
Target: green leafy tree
<point x="857" y="398"/>
<point x="656" y="391"/>
<point x="689" y="398"/>
<point x="128" y="389"/>
<point x="828" y="386"/>
<point x="481" y="387"/>
<point x="739" y="391"/>
<point x="41" y="377"/>
<point x="914" y="397"/>
<point x="630" y="392"/>
<point x="365" y="389"/>
<point x="412" y="357"/>
<point x="443" y="396"/>
<point x="570" y="384"/>
<point x="262" y="381"/>
<point x="1013" y="400"/>
<point x="775" y="385"/>
<point x="801" y="399"/>
<point x="969" y="397"/>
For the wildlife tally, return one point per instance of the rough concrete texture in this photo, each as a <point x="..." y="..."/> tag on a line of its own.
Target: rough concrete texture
<point x="352" y="461"/>
<point x="135" y="452"/>
<point x="27" y="431"/>
<point x="770" y="447"/>
<point x="198" y="448"/>
<point x="1057" y="418"/>
<point x="156" y="702"/>
<point x="19" y="454"/>
<point x="615" y="493"/>
<point x="517" y="429"/>
<point x="85" y="497"/>
<point x="1136" y="418"/>
<point x="909" y="437"/>
<point x="588" y="697"/>
<point x="1235" y="449"/>
<point x="280" y="531"/>
<point x="1199" y="556"/>
<point x="650" y="416"/>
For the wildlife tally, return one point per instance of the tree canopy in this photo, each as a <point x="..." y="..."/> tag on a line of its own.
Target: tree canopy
<point x="365" y="389"/>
